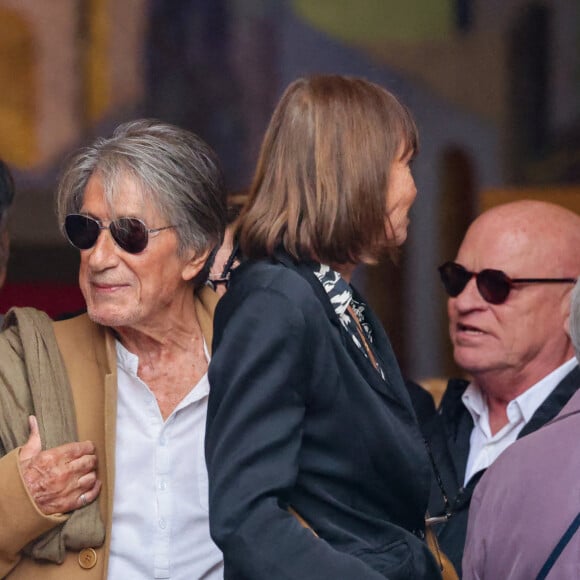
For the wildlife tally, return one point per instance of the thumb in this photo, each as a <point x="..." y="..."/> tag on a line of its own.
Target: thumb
<point x="33" y="446"/>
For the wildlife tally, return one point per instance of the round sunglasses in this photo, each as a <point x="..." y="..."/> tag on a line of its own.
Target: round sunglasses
<point x="493" y="285"/>
<point x="130" y="234"/>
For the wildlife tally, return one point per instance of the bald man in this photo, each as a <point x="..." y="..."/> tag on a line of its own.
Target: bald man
<point x="509" y="293"/>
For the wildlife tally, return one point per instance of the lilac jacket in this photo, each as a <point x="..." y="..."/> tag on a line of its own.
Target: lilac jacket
<point x="524" y="504"/>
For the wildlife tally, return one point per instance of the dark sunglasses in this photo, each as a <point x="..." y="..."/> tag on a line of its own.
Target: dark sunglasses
<point x="493" y="285"/>
<point x="130" y="234"/>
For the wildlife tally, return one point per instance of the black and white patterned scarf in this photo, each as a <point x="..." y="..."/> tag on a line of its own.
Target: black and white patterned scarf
<point x="341" y="297"/>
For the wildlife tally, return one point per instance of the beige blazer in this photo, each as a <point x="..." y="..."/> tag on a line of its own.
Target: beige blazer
<point x="89" y="353"/>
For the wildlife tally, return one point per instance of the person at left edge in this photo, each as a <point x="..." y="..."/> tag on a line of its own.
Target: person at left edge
<point x="309" y="421"/>
<point x="100" y="487"/>
<point x="7" y="191"/>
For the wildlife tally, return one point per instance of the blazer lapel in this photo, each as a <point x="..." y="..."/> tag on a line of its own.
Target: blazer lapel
<point x="456" y="426"/>
<point x="89" y="354"/>
<point x="306" y="272"/>
<point x="393" y="386"/>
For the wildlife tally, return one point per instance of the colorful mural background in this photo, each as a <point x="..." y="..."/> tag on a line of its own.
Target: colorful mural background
<point x="494" y="85"/>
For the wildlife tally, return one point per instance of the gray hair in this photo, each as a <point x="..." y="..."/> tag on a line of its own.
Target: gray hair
<point x="574" y="322"/>
<point x="177" y="172"/>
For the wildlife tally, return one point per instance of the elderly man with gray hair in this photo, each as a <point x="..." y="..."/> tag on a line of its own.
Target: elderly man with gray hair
<point x="524" y="518"/>
<point x="102" y="417"/>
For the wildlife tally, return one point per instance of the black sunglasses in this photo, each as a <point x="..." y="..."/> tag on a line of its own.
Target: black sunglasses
<point x="493" y="285"/>
<point x="130" y="234"/>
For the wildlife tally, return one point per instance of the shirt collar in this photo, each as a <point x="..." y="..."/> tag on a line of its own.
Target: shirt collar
<point x="526" y="404"/>
<point x="530" y="400"/>
<point x="126" y="360"/>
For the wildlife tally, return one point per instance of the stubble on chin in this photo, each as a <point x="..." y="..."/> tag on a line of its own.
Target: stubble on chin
<point x="109" y="317"/>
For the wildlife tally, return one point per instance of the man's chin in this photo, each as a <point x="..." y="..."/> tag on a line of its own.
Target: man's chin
<point x="106" y="317"/>
<point x="471" y="362"/>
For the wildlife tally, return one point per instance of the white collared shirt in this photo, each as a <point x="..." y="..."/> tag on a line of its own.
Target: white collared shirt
<point x="160" y="507"/>
<point x="485" y="448"/>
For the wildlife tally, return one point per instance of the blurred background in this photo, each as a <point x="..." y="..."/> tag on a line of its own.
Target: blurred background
<point x="494" y="86"/>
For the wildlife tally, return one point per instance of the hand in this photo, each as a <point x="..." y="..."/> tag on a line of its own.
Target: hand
<point x="60" y="479"/>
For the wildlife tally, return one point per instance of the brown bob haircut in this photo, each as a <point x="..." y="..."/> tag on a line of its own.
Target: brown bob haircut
<point x="320" y="185"/>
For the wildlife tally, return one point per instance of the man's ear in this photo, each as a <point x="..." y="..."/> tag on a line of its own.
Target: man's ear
<point x="194" y="265"/>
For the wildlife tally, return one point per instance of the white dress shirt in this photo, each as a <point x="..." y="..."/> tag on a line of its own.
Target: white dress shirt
<point x="160" y="507"/>
<point x="485" y="448"/>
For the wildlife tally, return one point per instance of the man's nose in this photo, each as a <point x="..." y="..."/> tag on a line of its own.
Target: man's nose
<point x="104" y="253"/>
<point x="469" y="296"/>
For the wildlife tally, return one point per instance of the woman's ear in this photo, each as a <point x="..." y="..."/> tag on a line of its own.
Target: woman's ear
<point x="194" y="265"/>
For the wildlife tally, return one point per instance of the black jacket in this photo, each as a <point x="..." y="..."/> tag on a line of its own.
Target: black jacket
<point x="448" y="433"/>
<point x="298" y="417"/>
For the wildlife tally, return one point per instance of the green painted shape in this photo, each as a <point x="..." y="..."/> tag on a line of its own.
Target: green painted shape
<point x="379" y="20"/>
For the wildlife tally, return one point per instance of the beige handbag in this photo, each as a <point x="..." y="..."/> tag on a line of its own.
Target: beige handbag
<point x="448" y="571"/>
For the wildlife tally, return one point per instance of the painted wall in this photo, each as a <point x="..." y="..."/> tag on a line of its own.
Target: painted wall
<point x="72" y="70"/>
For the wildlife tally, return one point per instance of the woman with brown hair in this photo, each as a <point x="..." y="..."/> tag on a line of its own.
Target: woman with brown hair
<point x="317" y="468"/>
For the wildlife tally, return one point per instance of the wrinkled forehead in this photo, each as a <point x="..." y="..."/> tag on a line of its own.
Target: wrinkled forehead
<point x="122" y="194"/>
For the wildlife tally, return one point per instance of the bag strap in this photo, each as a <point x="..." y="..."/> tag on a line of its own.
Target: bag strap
<point x="557" y="551"/>
<point x="362" y="336"/>
<point x="446" y="567"/>
<point x="301" y="520"/>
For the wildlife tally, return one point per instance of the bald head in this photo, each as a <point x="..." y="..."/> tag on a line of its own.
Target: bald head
<point x="524" y="338"/>
<point x="543" y="239"/>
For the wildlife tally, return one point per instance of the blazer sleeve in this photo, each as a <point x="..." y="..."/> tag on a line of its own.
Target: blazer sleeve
<point x="260" y="376"/>
<point x="21" y="521"/>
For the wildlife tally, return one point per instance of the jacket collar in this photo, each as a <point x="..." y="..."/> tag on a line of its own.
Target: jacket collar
<point x="306" y="270"/>
<point x="392" y="386"/>
<point x="554" y="402"/>
<point x="457" y="422"/>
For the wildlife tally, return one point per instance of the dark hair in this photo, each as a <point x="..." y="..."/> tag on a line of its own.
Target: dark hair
<point x="320" y="185"/>
<point x="7" y="191"/>
<point x="6" y="187"/>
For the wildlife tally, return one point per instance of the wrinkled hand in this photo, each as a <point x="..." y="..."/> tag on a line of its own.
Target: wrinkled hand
<point x="60" y="479"/>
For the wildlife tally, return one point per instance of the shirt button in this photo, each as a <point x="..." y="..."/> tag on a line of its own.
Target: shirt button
<point x="87" y="558"/>
<point x="163" y="486"/>
<point x="162" y="524"/>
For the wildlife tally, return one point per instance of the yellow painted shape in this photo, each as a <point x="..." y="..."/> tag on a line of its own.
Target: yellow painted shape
<point x="379" y="20"/>
<point x="565" y="195"/>
<point x="97" y="74"/>
<point x="18" y="140"/>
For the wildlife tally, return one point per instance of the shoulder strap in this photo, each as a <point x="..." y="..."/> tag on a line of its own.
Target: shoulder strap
<point x="557" y="551"/>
